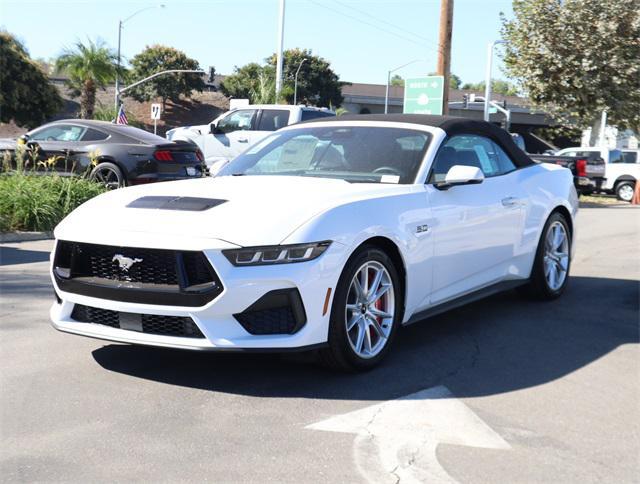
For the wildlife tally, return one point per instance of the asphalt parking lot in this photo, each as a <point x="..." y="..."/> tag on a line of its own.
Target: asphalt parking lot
<point x="503" y="390"/>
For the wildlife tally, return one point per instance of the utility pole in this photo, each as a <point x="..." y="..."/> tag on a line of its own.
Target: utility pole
<point x="280" y="47"/>
<point x="444" y="49"/>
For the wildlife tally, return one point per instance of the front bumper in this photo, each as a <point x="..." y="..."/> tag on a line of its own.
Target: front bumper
<point x="217" y="320"/>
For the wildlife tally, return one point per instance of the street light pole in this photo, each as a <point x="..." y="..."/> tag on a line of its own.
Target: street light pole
<point x="120" y="24"/>
<point x="117" y="96"/>
<point x="386" y="95"/>
<point x="487" y="87"/>
<point x="279" y="55"/>
<point x="295" y="83"/>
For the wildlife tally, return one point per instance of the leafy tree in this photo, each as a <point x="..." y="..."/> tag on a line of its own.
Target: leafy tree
<point x="576" y="58"/>
<point x="317" y="83"/>
<point x="245" y="82"/>
<point x="26" y="96"/>
<point x="90" y="67"/>
<point x="454" y="81"/>
<point x="397" y="80"/>
<point x="498" y="86"/>
<point x="157" y="58"/>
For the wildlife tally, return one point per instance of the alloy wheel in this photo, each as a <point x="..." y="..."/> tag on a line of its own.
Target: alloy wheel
<point x="556" y="256"/>
<point x="108" y="177"/>
<point x="370" y="309"/>
<point x="625" y="193"/>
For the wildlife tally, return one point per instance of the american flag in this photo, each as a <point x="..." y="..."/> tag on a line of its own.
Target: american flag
<point x="122" y="117"/>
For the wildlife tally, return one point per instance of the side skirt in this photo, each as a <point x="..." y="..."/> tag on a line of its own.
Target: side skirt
<point x="466" y="299"/>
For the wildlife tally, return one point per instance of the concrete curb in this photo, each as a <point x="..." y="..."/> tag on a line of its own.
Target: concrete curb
<point x="6" y="237"/>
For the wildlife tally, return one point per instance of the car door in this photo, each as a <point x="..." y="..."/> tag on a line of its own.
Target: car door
<point x="56" y="145"/>
<point x="231" y="136"/>
<point x="476" y="227"/>
<point x="270" y="120"/>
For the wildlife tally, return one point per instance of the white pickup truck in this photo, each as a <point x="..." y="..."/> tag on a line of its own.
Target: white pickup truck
<point x="234" y="131"/>
<point x="622" y="169"/>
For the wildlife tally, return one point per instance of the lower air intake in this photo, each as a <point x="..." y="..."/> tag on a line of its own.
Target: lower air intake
<point x="142" y="323"/>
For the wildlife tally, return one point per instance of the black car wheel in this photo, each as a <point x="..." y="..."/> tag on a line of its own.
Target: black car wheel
<point x="624" y="190"/>
<point x="109" y="175"/>
<point x="365" y="312"/>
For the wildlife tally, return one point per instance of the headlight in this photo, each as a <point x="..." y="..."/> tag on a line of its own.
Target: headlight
<point x="275" y="254"/>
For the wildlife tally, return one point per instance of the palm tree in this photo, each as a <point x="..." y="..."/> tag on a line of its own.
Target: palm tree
<point x="89" y="67"/>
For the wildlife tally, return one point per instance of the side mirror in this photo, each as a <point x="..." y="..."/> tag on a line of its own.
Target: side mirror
<point x="213" y="128"/>
<point x="461" y="175"/>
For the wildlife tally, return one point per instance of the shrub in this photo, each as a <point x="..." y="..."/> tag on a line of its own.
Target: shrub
<point x="39" y="202"/>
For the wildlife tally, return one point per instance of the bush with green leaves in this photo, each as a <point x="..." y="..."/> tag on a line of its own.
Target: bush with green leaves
<point x="37" y="201"/>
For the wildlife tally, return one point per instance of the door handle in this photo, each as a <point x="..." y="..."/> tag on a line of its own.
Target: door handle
<point x="243" y="140"/>
<point x="510" y="202"/>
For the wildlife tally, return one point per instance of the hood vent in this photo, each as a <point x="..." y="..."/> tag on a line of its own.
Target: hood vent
<point x="187" y="204"/>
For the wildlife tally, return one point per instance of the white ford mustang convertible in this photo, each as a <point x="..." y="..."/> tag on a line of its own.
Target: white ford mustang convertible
<point x="327" y="235"/>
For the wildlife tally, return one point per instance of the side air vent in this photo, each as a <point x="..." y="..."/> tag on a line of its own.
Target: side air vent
<point x="277" y="312"/>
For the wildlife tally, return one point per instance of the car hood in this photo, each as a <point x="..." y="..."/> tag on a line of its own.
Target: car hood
<point x="189" y="130"/>
<point x="7" y="143"/>
<point x="250" y="210"/>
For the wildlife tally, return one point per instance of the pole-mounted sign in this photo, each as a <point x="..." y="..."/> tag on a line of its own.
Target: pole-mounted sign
<point x="156" y="109"/>
<point x="423" y="95"/>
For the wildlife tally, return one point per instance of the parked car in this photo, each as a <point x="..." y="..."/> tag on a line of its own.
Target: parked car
<point x="621" y="172"/>
<point x="234" y="131"/>
<point x="326" y="235"/>
<point x="588" y="172"/>
<point x="115" y="154"/>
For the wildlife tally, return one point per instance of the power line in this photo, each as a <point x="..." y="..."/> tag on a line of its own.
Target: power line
<point x="362" y="12"/>
<point x="408" y="39"/>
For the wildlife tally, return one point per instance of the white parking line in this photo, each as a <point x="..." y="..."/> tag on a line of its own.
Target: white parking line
<point x="397" y="440"/>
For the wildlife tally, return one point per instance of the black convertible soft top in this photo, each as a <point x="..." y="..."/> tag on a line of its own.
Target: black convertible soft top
<point x="451" y="125"/>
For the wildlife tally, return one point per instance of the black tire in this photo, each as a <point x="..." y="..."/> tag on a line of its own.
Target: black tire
<point x="538" y="287"/>
<point x="108" y="174"/>
<point x="622" y="190"/>
<point x="339" y="354"/>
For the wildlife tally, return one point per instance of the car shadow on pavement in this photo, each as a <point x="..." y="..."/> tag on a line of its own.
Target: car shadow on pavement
<point x="12" y="256"/>
<point x="501" y="344"/>
<point x="606" y="205"/>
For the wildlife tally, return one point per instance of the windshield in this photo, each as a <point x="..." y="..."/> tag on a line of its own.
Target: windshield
<point x="354" y="154"/>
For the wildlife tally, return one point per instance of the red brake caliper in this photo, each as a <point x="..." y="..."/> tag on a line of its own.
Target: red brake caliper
<point x="378" y="305"/>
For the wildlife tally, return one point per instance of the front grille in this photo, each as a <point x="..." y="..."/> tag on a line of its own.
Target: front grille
<point x="152" y="266"/>
<point x="142" y="323"/>
<point x="129" y="274"/>
<point x="277" y="312"/>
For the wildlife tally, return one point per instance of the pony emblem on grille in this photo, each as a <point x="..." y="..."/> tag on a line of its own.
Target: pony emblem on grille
<point x="125" y="263"/>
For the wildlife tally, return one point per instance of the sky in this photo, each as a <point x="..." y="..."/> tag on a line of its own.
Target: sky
<point x="363" y="39"/>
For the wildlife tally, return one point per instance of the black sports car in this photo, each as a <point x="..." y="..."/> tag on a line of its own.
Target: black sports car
<point x="114" y="154"/>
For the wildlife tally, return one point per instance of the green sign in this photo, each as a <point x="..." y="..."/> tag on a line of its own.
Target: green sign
<point x="423" y="95"/>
